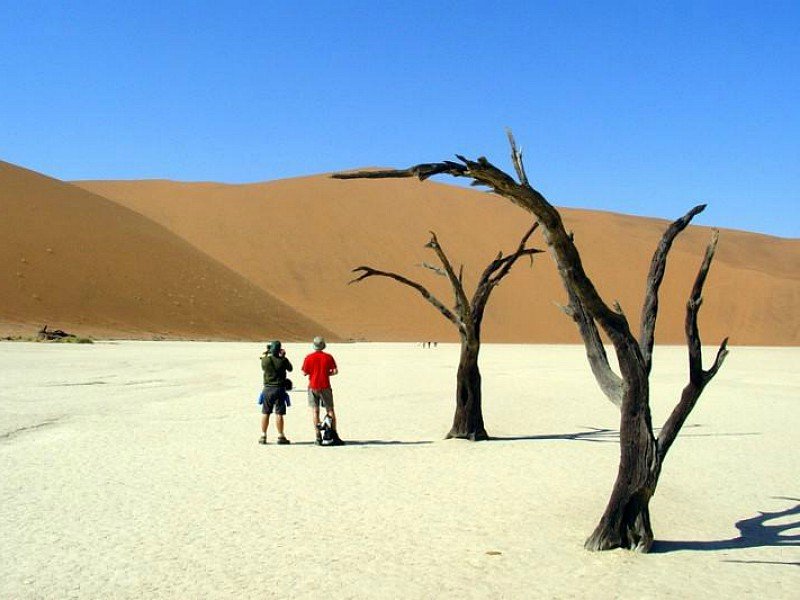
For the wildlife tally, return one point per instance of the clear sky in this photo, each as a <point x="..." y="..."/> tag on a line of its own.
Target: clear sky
<point x="636" y="107"/>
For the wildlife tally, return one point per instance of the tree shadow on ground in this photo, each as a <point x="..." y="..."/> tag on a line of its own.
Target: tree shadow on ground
<point x="754" y="532"/>
<point x="605" y="435"/>
<point x="592" y="434"/>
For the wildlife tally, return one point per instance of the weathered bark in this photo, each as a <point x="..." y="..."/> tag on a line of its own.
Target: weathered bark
<point x="626" y="520"/>
<point x="468" y="418"/>
<point x="467" y="316"/>
<point x="610" y="383"/>
<point x="658" y="266"/>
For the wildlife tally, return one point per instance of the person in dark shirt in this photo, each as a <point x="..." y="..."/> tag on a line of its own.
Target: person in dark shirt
<point x="274" y="397"/>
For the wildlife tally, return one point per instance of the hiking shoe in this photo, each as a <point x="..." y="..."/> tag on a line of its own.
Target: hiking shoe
<point x="262" y="440"/>
<point x="282" y="441"/>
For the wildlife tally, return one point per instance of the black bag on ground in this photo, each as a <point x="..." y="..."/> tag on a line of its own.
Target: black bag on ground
<point x="326" y="432"/>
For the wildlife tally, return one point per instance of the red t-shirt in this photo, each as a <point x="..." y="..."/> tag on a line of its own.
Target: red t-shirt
<point x="318" y="366"/>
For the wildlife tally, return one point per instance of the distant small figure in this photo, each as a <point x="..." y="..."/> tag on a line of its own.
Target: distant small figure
<point x="435" y="344"/>
<point x="320" y="366"/>
<point x="274" y="397"/>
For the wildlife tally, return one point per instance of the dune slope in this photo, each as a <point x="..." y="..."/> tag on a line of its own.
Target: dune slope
<point x="315" y="230"/>
<point x="80" y="262"/>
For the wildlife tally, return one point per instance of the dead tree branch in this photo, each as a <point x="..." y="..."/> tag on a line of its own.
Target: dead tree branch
<point x="496" y="270"/>
<point x="462" y="303"/>
<point x="438" y="270"/>
<point x="610" y="383"/>
<point x="698" y="378"/>
<point x="654" y="278"/>
<point x="370" y="272"/>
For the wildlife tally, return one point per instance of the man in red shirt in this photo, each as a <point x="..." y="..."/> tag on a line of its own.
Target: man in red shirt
<point x="320" y="366"/>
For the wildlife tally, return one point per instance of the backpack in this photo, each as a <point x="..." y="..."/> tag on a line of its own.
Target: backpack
<point x="326" y="431"/>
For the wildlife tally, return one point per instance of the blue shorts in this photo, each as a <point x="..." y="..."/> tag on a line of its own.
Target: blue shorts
<point x="275" y="399"/>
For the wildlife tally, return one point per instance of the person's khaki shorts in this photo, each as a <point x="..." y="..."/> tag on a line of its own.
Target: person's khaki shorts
<point x="322" y="398"/>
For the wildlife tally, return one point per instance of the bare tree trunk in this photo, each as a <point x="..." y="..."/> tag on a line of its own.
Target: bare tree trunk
<point x="626" y="520"/>
<point x="468" y="418"/>
<point x="467" y="317"/>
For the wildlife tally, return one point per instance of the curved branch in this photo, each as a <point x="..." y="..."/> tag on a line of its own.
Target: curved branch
<point x="370" y="272"/>
<point x="610" y="383"/>
<point x="562" y="247"/>
<point x="658" y="266"/>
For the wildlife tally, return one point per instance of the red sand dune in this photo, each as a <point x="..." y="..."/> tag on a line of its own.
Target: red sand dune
<point x="299" y="238"/>
<point x="83" y="263"/>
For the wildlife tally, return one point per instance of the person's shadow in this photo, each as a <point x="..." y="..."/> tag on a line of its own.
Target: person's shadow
<point x="755" y="532"/>
<point x="387" y="443"/>
<point x="371" y="443"/>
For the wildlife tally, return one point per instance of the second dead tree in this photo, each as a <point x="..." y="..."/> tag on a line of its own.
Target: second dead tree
<point x="467" y="316"/>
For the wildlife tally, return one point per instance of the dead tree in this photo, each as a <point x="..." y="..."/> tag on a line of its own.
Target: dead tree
<point x="467" y="316"/>
<point x="626" y="520"/>
<point x="49" y="335"/>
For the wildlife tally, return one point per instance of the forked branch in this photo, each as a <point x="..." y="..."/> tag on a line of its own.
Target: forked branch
<point x="698" y="378"/>
<point x="500" y="266"/>
<point x="696" y="373"/>
<point x="498" y="269"/>
<point x="457" y="281"/>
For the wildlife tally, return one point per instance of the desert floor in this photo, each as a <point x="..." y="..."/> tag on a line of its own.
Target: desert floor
<point x="132" y="469"/>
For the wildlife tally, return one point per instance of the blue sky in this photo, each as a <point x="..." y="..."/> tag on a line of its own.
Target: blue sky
<point x="635" y="107"/>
